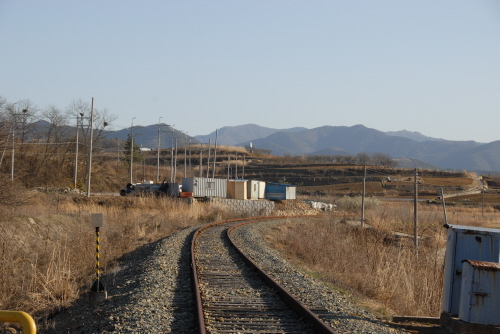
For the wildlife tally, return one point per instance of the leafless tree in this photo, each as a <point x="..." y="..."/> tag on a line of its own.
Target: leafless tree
<point x="363" y="158"/>
<point x="382" y="159"/>
<point x="22" y="116"/>
<point x="81" y="110"/>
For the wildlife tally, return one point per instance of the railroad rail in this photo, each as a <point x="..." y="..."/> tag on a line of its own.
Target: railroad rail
<point x="235" y="296"/>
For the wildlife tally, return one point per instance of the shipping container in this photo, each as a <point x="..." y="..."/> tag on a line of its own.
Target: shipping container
<point x="279" y="191"/>
<point x="205" y="187"/>
<point x="253" y="189"/>
<point x="237" y="189"/>
<point x="480" y="294"/>
<point x="465" y="243"/>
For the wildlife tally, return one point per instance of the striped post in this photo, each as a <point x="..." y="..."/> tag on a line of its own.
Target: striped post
<point x="97" y="256"/>
<point x="97" y="293"/>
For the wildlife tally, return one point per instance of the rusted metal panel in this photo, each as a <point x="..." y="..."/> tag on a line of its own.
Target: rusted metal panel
<point x="205" y="187"/>
<point x="480" y="297"/>
<point x="465" y="243"/>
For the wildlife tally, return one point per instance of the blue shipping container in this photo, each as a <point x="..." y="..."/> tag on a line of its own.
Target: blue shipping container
<point x="279" y="191"/>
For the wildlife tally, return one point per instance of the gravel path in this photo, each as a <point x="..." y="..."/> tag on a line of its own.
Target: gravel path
<point x="151" y="292"/>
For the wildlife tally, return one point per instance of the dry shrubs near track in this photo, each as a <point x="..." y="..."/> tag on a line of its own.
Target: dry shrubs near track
<point x="47" y="244"/>
<point x="383" y="271"/>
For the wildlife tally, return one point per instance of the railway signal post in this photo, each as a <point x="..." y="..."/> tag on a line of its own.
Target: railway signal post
<point x="98" y="293"/>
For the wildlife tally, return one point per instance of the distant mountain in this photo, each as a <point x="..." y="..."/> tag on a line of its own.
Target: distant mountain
<point x="468" y="155"/>
<point x="414" y="135"/>
<point x="242" y="134"/>
<point x="412" y="149"/>
<point x="147" y="136"/>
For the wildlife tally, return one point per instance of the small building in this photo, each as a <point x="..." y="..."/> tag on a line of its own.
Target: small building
<point x="253" y="189"/>
<point x="465" y="243"/>
<point x="205" y="187"/>
<point x="237" y="189"/>
<point x="280" y="191"/>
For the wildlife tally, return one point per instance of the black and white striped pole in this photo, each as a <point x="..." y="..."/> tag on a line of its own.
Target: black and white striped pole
<point x="98" y="293"/>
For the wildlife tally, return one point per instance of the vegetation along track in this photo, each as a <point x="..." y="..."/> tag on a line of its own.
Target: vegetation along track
<point x="235" y="296"/>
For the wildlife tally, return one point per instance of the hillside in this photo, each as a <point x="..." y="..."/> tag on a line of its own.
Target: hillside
<point x="243" y="134"/>
<point x="337" y="140"/>
<point x="468" y="155"/>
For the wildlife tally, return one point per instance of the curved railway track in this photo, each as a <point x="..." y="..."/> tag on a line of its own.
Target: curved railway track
<point x="235" y="296"/>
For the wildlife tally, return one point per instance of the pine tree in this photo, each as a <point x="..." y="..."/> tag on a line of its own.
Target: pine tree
<point x="138" y="157"/>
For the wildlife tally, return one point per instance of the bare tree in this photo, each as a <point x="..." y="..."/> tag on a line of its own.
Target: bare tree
<point x="363" y="158"/>
<point x="382" y="159"/>
<point x="81" y="110"/>
<point x="22" y="116"/>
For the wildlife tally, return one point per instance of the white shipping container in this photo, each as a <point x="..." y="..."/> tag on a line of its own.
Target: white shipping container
<point x="205" y="187"/>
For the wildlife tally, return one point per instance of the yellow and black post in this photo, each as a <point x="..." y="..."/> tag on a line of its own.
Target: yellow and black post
<point x="97" y="293"/>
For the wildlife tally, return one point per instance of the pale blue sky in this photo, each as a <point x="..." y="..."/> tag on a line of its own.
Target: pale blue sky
<point x="428" y="65"/>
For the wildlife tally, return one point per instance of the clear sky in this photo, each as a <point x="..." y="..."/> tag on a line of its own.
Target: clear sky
<point x="424" y="65"/>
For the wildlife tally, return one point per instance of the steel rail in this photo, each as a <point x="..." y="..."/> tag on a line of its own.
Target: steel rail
<point x="196" y="286"/>
<point x="318" y="325"/>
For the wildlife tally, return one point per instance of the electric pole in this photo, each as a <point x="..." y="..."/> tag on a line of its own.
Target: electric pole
<point x="89" y="167"/>
<point x="415" y="212"/>
<point x="158" y="154"/>
<point x="363" y="200"/>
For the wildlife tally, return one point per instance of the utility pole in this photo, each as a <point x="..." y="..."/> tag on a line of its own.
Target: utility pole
<point x="172" y="156"/>
<point x="190" y="154"/>
<point x="131" y="149"/>
<point x="185" y="155"/>
<point x="243" y="173"/>
<point x="415" y="212"/>
<point x="89" y="167"/>
<point x="236" y="167"/>
<point x="228" y="164"/>
<point x="482" y="193"/>
<point x="158" y="154"/>
<point x="363" y="199"/>
<point x="208" y="161"/>
<point x="444" y="207"/>
<point x="201" y="158"/>
<point x="175" y="160"/>
<point x="12" y="157"/>
<point x="215" y="152"/>
<point x="76" y="153"/>
<point x="14" y="139"/>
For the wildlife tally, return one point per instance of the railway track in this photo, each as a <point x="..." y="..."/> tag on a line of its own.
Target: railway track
<point x="233" y="296"/>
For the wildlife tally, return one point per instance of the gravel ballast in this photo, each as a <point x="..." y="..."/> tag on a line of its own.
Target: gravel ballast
<point x="151" y="291"/>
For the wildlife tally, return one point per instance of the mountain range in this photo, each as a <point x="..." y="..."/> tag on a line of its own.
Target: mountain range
<point x="344" y="140"/>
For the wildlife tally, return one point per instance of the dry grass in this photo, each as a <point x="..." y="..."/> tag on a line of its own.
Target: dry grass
<point x="382" y="271"/>
<point x="47" y="246"/>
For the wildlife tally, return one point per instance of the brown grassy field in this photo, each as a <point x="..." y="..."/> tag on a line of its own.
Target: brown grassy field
<point x="47" y="243"/>
<point x="382" y="271"/>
